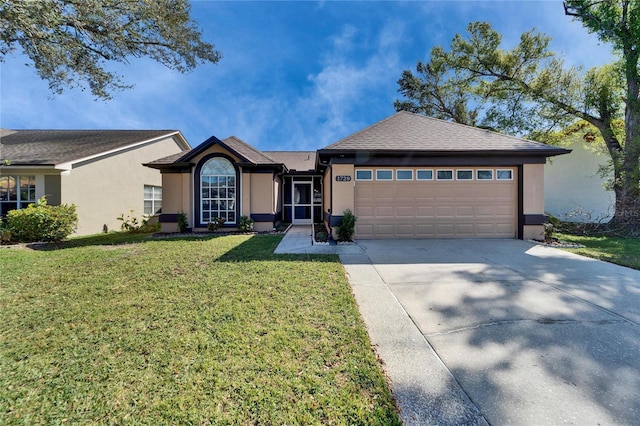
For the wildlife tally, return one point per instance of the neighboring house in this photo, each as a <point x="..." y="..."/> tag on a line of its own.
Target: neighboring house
<point x="574" y="190"/>
<point x="100" y="171"/>
<point x="407" y="176"/>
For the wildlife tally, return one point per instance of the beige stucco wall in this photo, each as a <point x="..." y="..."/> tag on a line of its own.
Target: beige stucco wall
<point x="533" y="198"/>
<point x="574" y="189"/>
<point x="342" y="195"/>
<point x="108" y="187"/>
<point x="177" y="195"/>
<point x="262" y="193"/>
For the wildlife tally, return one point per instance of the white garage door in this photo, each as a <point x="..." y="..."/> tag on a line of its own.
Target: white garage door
<point x="436" y="203"/>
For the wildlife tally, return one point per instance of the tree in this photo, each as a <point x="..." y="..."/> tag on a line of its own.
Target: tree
<point x="70" y="41"/>
<point x="527" y="91"/>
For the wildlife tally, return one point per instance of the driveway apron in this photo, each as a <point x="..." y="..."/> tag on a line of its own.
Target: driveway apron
<point x="501" y="331"/>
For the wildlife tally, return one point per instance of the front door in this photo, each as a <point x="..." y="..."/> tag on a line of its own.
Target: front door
<point x="302" y="203"/>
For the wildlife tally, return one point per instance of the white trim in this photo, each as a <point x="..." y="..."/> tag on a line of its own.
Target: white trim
<point x="463" y="170"/>
<point x="364" y="170"/>
<point x="485" y="170"/>
<point x="404" y="170"/>
<point x="504" y="170"/>
<point x="67" y="166"/>
<point x="445" y="170"/>
<point x="384" y="170"/>
<point x="424" y="170"/>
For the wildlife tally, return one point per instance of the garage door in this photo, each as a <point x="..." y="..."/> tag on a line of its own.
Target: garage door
<point x="436" y="203"/>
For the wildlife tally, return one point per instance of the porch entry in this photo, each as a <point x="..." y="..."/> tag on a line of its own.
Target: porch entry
<point x="302" y="199"/>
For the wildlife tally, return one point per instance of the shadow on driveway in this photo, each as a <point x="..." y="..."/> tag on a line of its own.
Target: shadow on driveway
<point x="530" y="334"/>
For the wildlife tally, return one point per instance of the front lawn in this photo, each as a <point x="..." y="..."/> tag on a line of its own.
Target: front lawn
<point x="183" y="331"/>
<point x="619" y="250"/>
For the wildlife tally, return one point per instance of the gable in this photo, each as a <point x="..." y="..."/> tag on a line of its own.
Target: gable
<point x="60" y="147"/>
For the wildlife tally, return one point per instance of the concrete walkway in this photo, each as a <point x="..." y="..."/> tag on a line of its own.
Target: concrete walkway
<point x="425" y="390"/>
<point x="496" y="331"/>
<point x="298" y="240"/>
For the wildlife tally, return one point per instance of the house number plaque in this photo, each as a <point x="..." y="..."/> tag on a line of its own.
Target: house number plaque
<point x="343" y="178"/>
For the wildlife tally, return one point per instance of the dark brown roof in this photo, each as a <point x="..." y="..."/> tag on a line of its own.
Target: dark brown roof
<point x="247" y="151"/>
<point x="405" y="131"/>
<point x="51" y="147"/>
<point x="301" y="161"/>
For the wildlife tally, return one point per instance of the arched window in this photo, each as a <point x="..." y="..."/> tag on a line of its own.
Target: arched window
<point x="218" y="191"/>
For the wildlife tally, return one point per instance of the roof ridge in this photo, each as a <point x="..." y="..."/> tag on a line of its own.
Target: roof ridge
<point x="250" y="147"/>
<point x="474" y="128"/>
<point x="377" y="123"/>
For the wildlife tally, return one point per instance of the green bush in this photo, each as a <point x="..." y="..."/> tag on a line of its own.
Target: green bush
<point x="183" y="224"/>
<point x="132" y="225"/>
<point x="216" y="223"/>
<point x="41" y="222"/>
<point x="245" y="224"/>
<point x="346" y="226"/>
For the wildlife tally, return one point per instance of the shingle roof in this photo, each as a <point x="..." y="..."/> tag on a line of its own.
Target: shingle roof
<point x="247" y="151"/>
<point x="50" y="147"/>
<point x="406" y="131"/>
<point x="301" y="161"/>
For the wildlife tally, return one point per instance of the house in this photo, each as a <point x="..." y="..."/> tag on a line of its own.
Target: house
<point x="407" y="176"/>
<point x="100" y="171"/>
<point x="574" y="188"/>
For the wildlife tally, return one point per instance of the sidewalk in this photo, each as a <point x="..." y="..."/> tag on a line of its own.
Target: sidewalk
<point x="298" y="240"/>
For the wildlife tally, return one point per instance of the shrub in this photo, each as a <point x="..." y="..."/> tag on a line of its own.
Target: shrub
<point x="132" y="225"/>
<point x="245" y="224"/>
<point x="41" y="222"/>
<point x="548" y="232"/>
<point x="216" y="223"/>
<point x="182" y="222"/>
<point x="346" y="226"/>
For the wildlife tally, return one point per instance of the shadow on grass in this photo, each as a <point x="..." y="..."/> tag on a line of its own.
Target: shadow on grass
<point x="261" y="247"/>
<point x="115" y="238"/>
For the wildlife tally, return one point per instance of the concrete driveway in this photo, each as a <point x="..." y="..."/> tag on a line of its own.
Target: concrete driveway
<point x="501" y="331"/>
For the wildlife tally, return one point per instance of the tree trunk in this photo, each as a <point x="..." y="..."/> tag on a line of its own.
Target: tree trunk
<point x="627" y="170"/>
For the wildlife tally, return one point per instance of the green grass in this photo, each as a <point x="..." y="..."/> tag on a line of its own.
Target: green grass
<point x="619" y="250"/>
<point x="125" y="329"/>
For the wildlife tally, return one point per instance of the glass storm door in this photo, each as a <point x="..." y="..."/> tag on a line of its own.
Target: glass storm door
<point x="302" y="203"/>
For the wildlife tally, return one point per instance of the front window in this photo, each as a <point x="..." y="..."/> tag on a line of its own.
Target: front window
<point x="152" y="200"/>
<point x="218" y="191"/>
<point x="16" y="192"/>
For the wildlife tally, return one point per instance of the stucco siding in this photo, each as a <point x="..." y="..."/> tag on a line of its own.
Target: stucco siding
<point x="574" y="190"/>
<point x="105" y="188"/>
<point x="533" y="198"/>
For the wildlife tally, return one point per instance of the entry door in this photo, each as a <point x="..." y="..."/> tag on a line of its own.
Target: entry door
<point x="302" y="203"/>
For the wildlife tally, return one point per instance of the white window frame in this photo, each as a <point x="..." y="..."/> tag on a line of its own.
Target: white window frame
<point x="384" y="170"/>
<point x="155" y="190"/>
<point x="364" y="170"/>
<point x="6" y="189"/>
<point x="445" y="170"/>
<point x="484" y="170"/>
<point x="424" y="170"/>
<point x="231" y="203"/>
<point x="404" y="170"/>
<point x="504" y="170"/>
<point x="463" y="170"/>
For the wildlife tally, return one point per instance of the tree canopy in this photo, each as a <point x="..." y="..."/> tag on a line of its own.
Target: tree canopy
<point x="528" y="91"/>
<point x="70" y="42"/>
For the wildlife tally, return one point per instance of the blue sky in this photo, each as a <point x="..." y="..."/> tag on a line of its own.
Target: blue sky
<point x="294" y="75"/>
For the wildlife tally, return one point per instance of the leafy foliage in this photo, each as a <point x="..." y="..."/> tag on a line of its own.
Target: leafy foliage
<point x="183" y="224"/>
<point x="70" y="42"/>
<point x="245" y="224"/>
<point x="131" y="224"/>
<point x="346" y="226"/>
<point x="527" y="91"/>
<point x="41" y="222"/>
<point x="216" y="223"/>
